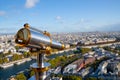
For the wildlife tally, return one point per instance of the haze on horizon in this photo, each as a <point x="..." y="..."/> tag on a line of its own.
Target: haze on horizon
<point x="60" y="15"/>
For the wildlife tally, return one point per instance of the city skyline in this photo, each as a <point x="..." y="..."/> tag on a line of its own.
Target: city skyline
<point x="60" y="15"/>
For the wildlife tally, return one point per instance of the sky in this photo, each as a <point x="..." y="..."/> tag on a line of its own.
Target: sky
<point x="60" y="15"/>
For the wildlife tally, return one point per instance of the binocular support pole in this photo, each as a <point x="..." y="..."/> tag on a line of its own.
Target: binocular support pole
<point x="40" y="67"/>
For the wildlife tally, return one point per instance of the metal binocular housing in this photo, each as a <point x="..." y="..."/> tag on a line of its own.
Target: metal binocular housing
<point x="34" y="38"/>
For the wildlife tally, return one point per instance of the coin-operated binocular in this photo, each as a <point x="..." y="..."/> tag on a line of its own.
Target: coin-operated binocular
<point x="33" y="38"/>
<point x="40" y="40"/>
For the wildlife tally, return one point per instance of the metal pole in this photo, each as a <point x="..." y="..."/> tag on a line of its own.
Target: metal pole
<point x="40" y="67"/>
<point x="40" y="61"/>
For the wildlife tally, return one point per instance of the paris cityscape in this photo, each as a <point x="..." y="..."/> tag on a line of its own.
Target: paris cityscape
<point x="94" y="55"/>
<point x="59" y="40"/>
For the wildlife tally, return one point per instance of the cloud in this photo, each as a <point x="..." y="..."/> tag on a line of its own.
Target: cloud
<point x="2" y="13"/>
<point x="31" y="3"/>
<point x="58" y="17"/>
<point x="81" y="21"/>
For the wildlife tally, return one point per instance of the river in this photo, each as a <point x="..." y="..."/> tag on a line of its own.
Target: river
<point x="13" y="70"/>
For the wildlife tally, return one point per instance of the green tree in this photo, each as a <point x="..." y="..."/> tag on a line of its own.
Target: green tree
<point x="21" y="76"/>
<point x="91" y="78"/>
<point x="5" y="60"/>
<point x="71" y="77"/>
<point x="32" y="73"/>
<point x="85" y="50"/>
<point x="1" y="61"/>
<point x="100" y="79"/>
<point x="16" y="57"/>
<point x="26" y="54"/>
<point x="17" y="47"/>
<point x="1" y="55"/>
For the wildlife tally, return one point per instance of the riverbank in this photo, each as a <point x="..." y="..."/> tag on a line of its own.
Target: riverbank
<point x="6" y="65"/>
<point x="15" y="69"/>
